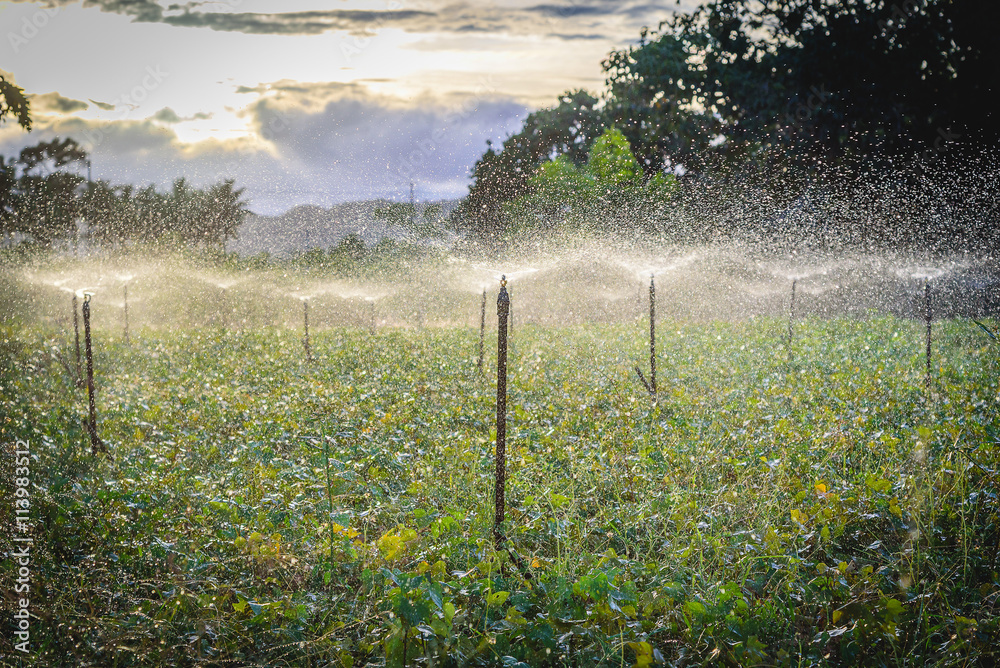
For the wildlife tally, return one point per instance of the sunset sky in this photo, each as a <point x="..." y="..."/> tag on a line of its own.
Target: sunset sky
<point x="302" y="101"/>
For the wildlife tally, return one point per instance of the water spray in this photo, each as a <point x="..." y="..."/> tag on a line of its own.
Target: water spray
<point x="503" y="310"/>
<point x="305" y="329"/>
<point x="96" y="444"/>
<point x="76" y="332"/>
<point x="372" y="318"/>
<point x="791" y="318"/>
<point x="482" y="331"/>
<point x="651" y="385"/>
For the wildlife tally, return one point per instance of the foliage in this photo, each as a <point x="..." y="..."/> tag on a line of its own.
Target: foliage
<point x="609" y="193"/>
<point x="14" y="103"/>
<point x="265" y="511"/>
<point x="502" y="176"/>
<point x="806" y="78"/>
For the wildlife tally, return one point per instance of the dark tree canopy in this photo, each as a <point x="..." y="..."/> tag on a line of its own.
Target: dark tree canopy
<point x="14" y="103"/>
<point x="813" y="78"/>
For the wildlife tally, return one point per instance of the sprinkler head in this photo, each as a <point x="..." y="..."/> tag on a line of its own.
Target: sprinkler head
<point x="503" y="281"/>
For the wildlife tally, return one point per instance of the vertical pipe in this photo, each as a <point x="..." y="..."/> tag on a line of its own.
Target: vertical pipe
<point x="503" y="309"/>
<point x="125" y="290"/>
<point x="791" y="317"/>
<point x="372" y="324"/>
<point x="652" y="337"/>
<point x="222" y="309"/>
<point x="510" y="318"/>
<point x="95" y="442"/>
<point x="482" y="332"/>
<point x="927" y="318"/>
<point x="305" y="329"/>
<point x="76" y="331"/>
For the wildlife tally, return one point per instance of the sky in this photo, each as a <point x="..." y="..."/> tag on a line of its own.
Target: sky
<point x="302" y="101"/>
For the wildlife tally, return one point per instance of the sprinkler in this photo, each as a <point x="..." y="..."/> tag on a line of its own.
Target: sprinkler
<point x="305" y="329"/>
<point x="372" y="317"/>
<point x="482" y="331"/>
<point x="96" y="444"/>
<point x="791" y="318"/>
<point x="503" y="310"/>
<point x="651" y="385"/>
<point x="76" y="331"/>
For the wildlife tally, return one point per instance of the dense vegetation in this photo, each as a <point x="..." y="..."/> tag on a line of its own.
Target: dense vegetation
<point x="806" y="507"/>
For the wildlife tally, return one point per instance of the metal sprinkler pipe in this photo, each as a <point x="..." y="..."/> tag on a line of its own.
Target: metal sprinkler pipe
<point x="305" y="329"/>
<point x="125" y="303"/>
<point x="652" y="337"/>
<point x="482" y="332"/>
<point x="927" y="318"/>
<point x="96" y="445"/>
<point x="651" y="385"/>
<point x="76" y="332"/>
<point x="503" y="310"/>
<point x="791" y="318"/>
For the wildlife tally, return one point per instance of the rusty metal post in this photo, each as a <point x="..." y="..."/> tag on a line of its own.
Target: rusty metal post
<point x="503" y="310"/>
<point x="305" y="329"/>
<point x="927" y="318"/>
<point x="652" y="337"/>
<point x="125" y="292"/>
<point x="76" y="332"/>
<point x="482" y="332"/>
<point x="791" y="318"/>
<point x="96" y="445"/>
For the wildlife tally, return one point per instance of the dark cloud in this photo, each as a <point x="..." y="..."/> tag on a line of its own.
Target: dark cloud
<point x="454" y="17"/>
<point x="169" y="116"/>
<point x="166" y="115"/>
<point x="55" y="103"/>
<point x="576" y="36"/>
<point x="106" y="106"/>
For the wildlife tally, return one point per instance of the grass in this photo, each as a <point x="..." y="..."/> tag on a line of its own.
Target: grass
<point x="260" y="510"/>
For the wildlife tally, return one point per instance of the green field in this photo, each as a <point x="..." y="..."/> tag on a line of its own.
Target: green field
<point x="772" y="509"/>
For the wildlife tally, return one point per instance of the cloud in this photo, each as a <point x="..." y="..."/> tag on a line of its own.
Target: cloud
<point x="55" y="103"/>
<point x="106" y="106"/>
<point x="435" y="17"/>
<point x="169" y="116"/>
<point x="319" y="143"/>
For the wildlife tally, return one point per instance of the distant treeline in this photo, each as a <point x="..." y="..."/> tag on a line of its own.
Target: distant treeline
<point x="47" y="200"/>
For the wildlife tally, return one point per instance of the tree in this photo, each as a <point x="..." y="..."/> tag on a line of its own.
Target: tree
<point x="609" y="193"/>
<point x="807" y="80"/>
<point x="13" y="102"/>
<point x="502" y="176"/>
